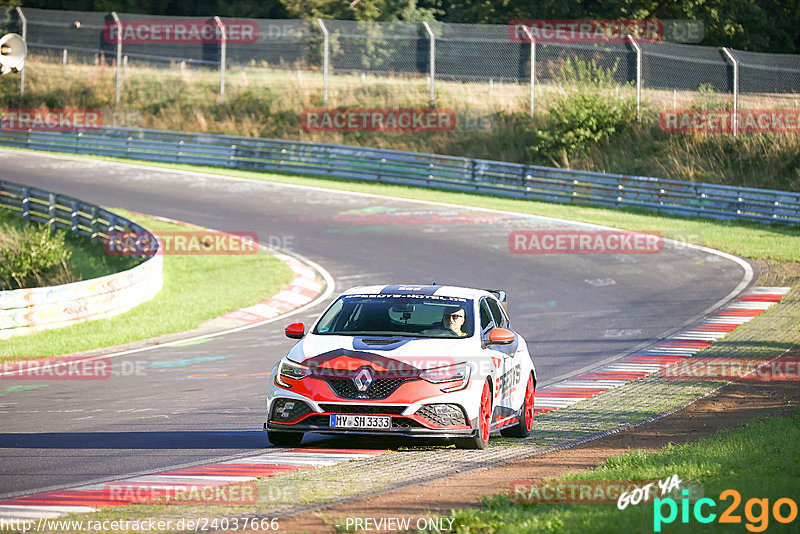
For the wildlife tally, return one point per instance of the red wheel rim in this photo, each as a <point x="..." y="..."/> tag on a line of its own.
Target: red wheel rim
<point x="486" y="413"/>
<point x="530" y="391"/>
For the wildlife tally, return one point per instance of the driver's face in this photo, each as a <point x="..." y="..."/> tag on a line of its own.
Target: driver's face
<point x="454" y="320"/>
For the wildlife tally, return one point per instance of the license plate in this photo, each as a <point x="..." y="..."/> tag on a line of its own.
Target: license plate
<point x="371" y="422"/>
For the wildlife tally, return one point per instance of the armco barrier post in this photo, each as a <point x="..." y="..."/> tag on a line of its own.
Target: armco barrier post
<point x="73" y="216"/>
<point x="51" y="212"/>
<point x="26" y="204"/>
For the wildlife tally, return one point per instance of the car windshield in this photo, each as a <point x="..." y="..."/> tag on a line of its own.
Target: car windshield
<point x="398" y="315"/>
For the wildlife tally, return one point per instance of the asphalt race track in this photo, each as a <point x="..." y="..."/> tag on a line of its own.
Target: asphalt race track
<point x="574" y="310"/>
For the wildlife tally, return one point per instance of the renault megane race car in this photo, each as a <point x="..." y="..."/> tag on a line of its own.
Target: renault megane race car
<point x="413" y="361"/>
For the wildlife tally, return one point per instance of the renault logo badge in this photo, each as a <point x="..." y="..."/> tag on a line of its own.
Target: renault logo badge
<point x="363" y="379"/>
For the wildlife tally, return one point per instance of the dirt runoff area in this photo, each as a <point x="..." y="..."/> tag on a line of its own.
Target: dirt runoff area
<point x="732" y="405"/>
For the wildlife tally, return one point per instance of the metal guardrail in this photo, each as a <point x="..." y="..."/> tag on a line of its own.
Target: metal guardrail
<point x="446" y="172"/>
<point x="61" y="212"/>
<point x="32" y="309"/>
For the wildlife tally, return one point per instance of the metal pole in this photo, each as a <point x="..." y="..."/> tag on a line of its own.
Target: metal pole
<point x="64" y="61"/>
<point x="432" y="62"/>
<point x="325" y="59"/>
<point x="533" y="67"/>
<point x="223" y="50"/>
<point x="638" y="76"/>
<point x="732" y="59"/>
<point x="119" y="58"/>
<point x="24" y="38"/>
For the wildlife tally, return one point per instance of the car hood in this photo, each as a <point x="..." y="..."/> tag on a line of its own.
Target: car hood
<point x="350" y="353"/>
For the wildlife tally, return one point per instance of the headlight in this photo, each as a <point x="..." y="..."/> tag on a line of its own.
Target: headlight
<point x="451" y="373"/>
<point x="289" y="369"/>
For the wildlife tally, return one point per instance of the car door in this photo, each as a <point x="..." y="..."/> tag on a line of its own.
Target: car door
<point x="508" y="370"/>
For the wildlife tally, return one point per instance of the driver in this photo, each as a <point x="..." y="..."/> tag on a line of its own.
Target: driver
<point x="453" y="319"/>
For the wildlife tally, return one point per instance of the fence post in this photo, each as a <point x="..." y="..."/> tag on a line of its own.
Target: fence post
<point x="64" y="61"/>
<point x="51" y="212"/>
<point x="119" y="58"/>
<point x="26" y="203"/>
<point x="533" y="67"/>
<point x="326" y="57"/>
<point x="74" y="217"/>
<point x="638" y="50"/>
<point x="432" y="63"/>
<point x="735" y="63"/>
<point x="223" y="52"/>
<point x="24" y="38"/>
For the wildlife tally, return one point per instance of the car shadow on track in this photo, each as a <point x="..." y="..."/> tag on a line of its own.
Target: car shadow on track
<point x="197" y="440"/>
<point x="193" y="439"/>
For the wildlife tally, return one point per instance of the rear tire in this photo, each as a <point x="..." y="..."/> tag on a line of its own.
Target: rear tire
<point x="523" y="428"/>
<point x="285" y="439"/>
<point x="481" y="439"/>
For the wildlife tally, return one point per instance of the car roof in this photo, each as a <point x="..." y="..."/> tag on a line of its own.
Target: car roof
<point x="409" y="289"/>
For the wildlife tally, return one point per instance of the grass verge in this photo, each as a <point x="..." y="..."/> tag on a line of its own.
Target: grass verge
<point x="724" y="461"/>
<point x="86" y="259"/>
<point x="196" y="288"/>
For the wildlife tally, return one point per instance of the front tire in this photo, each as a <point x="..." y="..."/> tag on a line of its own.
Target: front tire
<point x="285" y="439"/>
<point x="523" y="428"/>
<point x="480" y="440"/>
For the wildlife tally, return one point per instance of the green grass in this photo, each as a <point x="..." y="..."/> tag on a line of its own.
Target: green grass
<point x="196" y="289"/>
<point x="86" y="260"/>
<point x="759" y="460"/>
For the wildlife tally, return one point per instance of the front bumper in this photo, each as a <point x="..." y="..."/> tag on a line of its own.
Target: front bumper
<point x="293" y="414"/>
<point x="406" y="432"/>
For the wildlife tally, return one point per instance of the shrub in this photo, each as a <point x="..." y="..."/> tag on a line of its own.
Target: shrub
<point x="29" y="255"/>
<point x="580" y="121"/>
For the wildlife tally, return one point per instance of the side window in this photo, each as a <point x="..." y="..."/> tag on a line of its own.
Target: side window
<point x="497" y="314"/>
<point x="486" y="316"/>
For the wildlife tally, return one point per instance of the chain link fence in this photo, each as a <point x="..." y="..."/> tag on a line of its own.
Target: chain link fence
<point x="484" y="59"/>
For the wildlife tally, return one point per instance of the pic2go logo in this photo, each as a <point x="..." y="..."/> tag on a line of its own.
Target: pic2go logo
<point x="757" y="522"/>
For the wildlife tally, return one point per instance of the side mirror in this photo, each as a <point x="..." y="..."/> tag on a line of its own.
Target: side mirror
<point x="295" y="331"/>
<point x="500" y="336"/>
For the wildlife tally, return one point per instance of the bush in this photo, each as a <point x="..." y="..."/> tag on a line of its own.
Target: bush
<point x="586" y="74"/>
<point x="580" y="121"/>
<point x="31" y="254"/>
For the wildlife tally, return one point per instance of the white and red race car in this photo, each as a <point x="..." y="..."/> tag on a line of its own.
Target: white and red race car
<point x="404" y="360"/>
